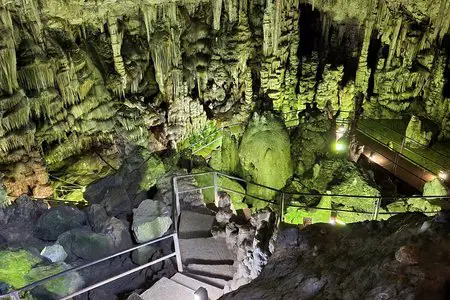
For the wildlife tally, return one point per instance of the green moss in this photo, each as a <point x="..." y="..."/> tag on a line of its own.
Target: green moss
<point x="14" y="265"/>
<point x="295" y="215"/>
<point x="226" y="159"/>
<point x="153" y="169"/>
<point x="265" y="156"/>
<point x="60" y="286"/>
<point x="208" y="194"/>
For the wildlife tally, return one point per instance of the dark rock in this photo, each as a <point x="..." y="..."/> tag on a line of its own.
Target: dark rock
<point x="134" y="296"/>
<point x="393" y="261"/>
<point x="57" y="221"/>
<point x="116" y="202"/>
<point x="96" y="191"/>
<point x="288" y="237"/>
<point x="85" y="244"/>
<point x="407" y="255"/>
<point x="100" y="294"/>
<point x="118" y="232"/>
<point x="23" y="208"/>
<point x="143" y="255"/>
<point x="97" y="217"/>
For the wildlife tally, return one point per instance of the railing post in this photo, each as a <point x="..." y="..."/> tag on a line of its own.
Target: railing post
<point x="176" y="243"/>
<point x="216" y="196"/>
<point x="177" y="209"/>
<point x="377" y="208"/>
<point x="281" y="208"/>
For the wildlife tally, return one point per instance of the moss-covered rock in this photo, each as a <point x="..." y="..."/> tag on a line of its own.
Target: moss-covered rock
<point x="61" y="286"/>
<point x="14" y="265"/>
<point x="296" y="215"/>
<point x="208" y="194"/>
<point x="3" y="197"/>
<point x="309" y="141"/>
<point x="265" y="156"/>
<point x="226" y="159"/>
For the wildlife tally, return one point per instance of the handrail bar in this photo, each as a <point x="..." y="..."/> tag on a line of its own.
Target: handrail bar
<point x="31" y="285"/>
<point x="319" y="194"/>
<point x="407" y="139"/>
<point x="196" y="189"/>
<point x="401" y="154"/>
<point x="96" y="285"/>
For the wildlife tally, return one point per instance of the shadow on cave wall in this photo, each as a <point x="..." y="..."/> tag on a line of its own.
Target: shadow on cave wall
<point x="336" y="43"/>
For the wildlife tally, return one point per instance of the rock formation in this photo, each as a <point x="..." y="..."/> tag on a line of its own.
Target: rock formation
<point x="401" y="258"/>
<point x="101" y="75"/>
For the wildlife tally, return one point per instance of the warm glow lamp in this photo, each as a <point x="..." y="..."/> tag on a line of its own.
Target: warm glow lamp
<point x="443" y="175"/>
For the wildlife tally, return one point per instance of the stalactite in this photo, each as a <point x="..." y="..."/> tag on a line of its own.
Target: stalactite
<point x="116" y="44"/>
<point x="67" y="83"/>
<point x="393" y="44"/>
<point x="217" y="13"/>
<point x="8" y="74"/>
<point x="37" y="76"/>
<point x="150" y="16"/>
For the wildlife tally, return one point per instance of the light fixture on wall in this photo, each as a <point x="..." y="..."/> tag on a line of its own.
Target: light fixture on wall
<point x="443" y="175"/>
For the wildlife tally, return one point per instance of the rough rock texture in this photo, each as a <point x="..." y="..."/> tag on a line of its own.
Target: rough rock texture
<point x="150" y="220"/>
<point x="265" y="147"/>
<point x="55" y="253"/>
<point x="59" y="220"/>
<point x="393" y="259"/>
<point x="91" y="77"/>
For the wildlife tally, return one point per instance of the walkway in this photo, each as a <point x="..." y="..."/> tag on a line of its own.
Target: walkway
<point x="207" y="262"/>
<point x="387" y="146"/>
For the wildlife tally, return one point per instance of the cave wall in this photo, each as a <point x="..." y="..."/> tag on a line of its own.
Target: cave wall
<point x="81" y="76"/>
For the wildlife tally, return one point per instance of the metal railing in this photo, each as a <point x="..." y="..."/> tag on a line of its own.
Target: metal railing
<point x="281" y="202"/>
<point x="172" y="234"/>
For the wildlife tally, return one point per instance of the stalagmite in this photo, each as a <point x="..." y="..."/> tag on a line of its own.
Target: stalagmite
<point x="116" y="44"/>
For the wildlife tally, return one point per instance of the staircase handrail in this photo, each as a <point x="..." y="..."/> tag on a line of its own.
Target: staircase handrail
<point x="376" y="198"/>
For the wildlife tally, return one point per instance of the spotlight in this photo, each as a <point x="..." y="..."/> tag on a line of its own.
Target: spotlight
<point x="340" y="146"/>
<point x="443" y="175"/>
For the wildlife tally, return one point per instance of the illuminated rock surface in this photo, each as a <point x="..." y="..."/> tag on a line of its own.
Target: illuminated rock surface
<point x="392" y="259"/>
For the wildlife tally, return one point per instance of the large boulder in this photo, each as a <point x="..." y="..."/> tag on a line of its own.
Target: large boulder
<point x="311" y="139"/>
<point x="97" y="217"/>
<point x="226" y="158"/>
<point x="85" y="244"/>
<point x="59" y="220"/>
<point x="117" y="202"/>
<point x="55" y="289"/>
<point x="435" y="188"/>
<point x="150" y="220"/>
<point x="23" y="208"/>
<point x="14" y="265"/>
<point x="265" y="147"/>
<point x="118" y="232"/>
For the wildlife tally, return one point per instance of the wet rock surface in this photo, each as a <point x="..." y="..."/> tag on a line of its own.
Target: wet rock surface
<point x="392" y="259"/>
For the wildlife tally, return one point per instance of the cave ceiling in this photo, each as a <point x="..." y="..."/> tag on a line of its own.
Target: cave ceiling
<point x="82" y="75"/>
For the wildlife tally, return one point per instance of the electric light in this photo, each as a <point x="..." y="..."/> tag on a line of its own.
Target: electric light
<point x="340" y="132"/>
<point x="340" y="146"/>
<point x="443" y="175"/>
